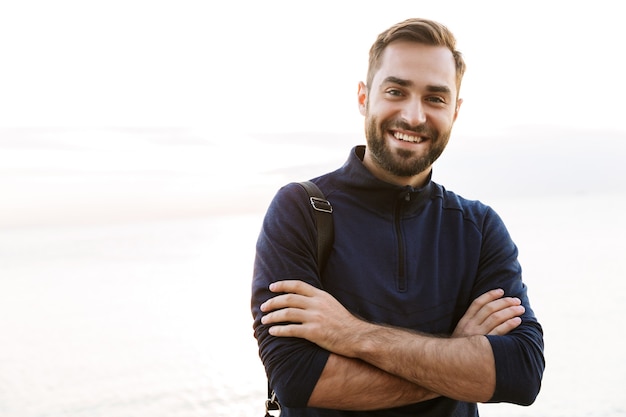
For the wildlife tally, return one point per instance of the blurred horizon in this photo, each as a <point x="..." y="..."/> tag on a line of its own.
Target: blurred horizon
<point x="80" y="175"/>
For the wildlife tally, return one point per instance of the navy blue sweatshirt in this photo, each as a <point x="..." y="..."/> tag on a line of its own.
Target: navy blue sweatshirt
<point x="414" y="258"/>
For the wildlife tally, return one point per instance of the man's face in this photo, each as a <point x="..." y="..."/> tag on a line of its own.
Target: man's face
<point x="409" y="111"/>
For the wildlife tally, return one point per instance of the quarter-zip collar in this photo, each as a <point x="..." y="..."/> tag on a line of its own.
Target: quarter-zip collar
<point x="378" y="195"/>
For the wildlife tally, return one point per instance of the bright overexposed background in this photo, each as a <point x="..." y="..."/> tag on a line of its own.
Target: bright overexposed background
<point x="246" y="66"/>
<point x="141" y="141"/>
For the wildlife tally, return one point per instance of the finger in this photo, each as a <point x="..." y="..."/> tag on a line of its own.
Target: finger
<point x="489" y="317"/>
<point x="496" y="309"/>
<point x="287" y="330"/>
<point x="476" y="313"/>
<point x="483" y="300"/>
<point x="284" y="301"/>
<point x="500" y="317"/>
<point x="293" y="286"/>
<point x="286" y="315"/>
<point x="506" y="327"/>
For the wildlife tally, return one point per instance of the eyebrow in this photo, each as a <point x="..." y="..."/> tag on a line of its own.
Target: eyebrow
<point x="400" y="81"/>
<point x="407" y="83"/>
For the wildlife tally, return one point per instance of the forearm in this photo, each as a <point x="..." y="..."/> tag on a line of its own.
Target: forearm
<point x="459" y="368"/>
<point x="351" y="384"/>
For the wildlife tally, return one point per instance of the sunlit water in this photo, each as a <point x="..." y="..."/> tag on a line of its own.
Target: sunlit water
<point x="150" y="317"/>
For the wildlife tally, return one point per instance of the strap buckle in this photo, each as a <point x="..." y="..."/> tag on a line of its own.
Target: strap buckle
<point x="271" y="404"/>
<point x="320" y="204"/>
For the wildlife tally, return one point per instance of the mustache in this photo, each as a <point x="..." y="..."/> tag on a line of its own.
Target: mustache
<point x="422" y="129"/>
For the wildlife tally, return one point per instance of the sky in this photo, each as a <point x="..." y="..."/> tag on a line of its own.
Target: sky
<point x="284" y="66"/>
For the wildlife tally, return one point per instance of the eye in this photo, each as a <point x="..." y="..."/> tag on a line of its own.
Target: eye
<point x="394" y="92"/>
<point x="436" y="99"/>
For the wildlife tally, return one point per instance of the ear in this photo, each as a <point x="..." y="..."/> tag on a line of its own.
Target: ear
<point x="458" y="107"/>
<point x="362" y="97"/>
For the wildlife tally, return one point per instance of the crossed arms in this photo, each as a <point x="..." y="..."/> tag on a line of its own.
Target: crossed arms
<point x="374" y="366"/>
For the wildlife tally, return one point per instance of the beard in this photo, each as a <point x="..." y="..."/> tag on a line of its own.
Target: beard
<point x="403" y="162"/>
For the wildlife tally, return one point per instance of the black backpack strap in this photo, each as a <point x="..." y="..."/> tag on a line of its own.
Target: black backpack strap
<point x="322" y="210"/>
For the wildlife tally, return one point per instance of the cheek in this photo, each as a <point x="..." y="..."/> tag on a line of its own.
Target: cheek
<point x="382" y="111"/>
<point x="443" y="121"/>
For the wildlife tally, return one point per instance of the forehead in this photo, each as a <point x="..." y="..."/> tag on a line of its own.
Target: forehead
<point x="418" y="63"/>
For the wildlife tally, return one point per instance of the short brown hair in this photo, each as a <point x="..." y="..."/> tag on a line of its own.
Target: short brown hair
<point x="417" y="30"/>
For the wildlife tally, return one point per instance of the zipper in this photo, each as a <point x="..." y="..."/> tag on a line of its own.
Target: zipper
<point x="402" y="280"/>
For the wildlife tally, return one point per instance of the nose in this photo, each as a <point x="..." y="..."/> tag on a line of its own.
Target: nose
<point x="413" y="113"/>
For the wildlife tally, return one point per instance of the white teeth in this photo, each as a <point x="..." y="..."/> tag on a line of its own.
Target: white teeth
<point x="407" y="138"/>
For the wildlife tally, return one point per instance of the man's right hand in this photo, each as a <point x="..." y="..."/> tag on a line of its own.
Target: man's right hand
<point x="490" y="314"/>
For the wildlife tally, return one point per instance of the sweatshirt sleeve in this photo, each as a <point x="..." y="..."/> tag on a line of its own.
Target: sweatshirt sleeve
<point x="287" y="249"/>
<point x="518" y="355"/>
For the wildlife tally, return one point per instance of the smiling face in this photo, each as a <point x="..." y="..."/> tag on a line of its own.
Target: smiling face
<point x="409" y="111"/>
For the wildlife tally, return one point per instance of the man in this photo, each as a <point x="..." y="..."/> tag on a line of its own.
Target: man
<point x="420" y="309"/>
